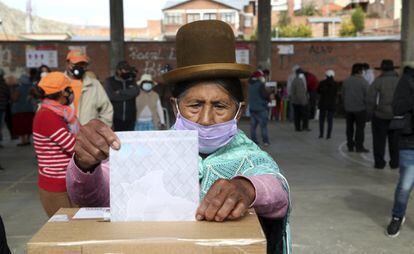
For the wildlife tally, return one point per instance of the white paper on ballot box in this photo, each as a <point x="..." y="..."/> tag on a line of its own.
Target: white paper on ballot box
<point x="154" y="176"/>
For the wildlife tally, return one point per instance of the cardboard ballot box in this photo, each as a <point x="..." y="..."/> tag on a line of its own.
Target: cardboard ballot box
<point x="98" y="237"/>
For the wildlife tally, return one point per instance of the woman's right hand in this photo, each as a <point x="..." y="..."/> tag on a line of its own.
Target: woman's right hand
<point x="92" y="144"/>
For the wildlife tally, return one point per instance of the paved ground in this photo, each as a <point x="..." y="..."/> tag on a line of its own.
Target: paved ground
<point x="340" y="204"/>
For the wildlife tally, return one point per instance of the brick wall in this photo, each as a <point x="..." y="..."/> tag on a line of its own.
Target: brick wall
<point x="150" y="57"/>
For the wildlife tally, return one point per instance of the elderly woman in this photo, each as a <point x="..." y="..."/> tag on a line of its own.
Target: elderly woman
<point x="235" y="174"/>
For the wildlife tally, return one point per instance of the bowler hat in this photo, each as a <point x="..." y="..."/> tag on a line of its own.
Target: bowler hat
<point x="206" y="49"/>
<point x="387" y="65"/>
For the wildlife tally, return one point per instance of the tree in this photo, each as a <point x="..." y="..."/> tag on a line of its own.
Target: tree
<point x="291" y="31"/>
<point x="308" y="10"/>
<point x="358" y="19"/>
<point x="284" y="19"/>
<point x="347" y="29"/>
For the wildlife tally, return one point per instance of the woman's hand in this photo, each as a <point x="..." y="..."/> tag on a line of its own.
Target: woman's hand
<point x="226" y="199"/>
<point x="92" y="144"/>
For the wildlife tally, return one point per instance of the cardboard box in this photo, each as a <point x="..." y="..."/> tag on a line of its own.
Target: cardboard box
<point x="98" y="237"/>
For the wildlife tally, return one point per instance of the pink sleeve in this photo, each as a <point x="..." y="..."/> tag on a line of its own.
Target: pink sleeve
<point x="88" y="190"/>
<point x="272" y="199"/>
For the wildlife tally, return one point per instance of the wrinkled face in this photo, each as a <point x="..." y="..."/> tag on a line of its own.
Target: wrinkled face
<point x="207" y="103"/>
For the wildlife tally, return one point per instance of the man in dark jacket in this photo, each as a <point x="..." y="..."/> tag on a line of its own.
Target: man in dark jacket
<point x="402" y="105"/>
<point x="122" y="91"/>
<point x="379" y="101"/>
<point x="4" y="249"/>
<point x="258" y="107"/>
<point x="4" y="100"/>
<point x="327" y="91"/>
<point x="354" y="92"/>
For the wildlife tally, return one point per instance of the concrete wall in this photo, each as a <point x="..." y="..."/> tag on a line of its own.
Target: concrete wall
<point x="149" y="57"/>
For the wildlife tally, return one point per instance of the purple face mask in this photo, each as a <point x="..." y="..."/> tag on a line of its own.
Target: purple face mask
<point x="212" y="137"/>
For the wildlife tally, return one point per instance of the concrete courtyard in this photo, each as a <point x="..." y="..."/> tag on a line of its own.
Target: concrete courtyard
<point x="340" y="203"/>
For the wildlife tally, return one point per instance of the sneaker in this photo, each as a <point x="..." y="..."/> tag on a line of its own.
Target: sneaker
<point x="393" y="229"/>
<point x="266" y="144"/>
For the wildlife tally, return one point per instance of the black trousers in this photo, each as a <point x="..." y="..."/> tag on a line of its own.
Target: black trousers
<point x="355" y="128"/>
<point x="312" y="104"/>
<point x="301" y="115"/>
<point x="380" y="133"/>
<point x="4" y="248"/>
<point x="323" y="114"/>
<point x="127" y="125"/>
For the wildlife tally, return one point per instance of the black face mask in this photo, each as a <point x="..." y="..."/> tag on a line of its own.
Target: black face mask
<point x="126" y="75"/>
<point x="78" y="72"/>
<point x="71" y="97"/>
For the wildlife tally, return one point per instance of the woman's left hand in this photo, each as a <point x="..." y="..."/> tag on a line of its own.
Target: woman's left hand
<point x="226" y="199"/>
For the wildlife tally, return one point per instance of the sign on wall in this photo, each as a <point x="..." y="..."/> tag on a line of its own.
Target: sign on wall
<point x="41" y="55"/>
<point x="242" y="55"/>
<point x="286" y="49"/>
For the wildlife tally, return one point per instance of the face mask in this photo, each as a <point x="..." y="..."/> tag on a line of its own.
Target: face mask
<point x="78" y="72"/>
<point x="147" y="86"/>
<point x="43" y="74"/>
<point x="126" y="75"/>
<point x="212" y="137"/>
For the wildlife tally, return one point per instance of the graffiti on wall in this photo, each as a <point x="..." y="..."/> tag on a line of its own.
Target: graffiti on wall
<point x="321" y="55"/>
<point x="151" y="61"/>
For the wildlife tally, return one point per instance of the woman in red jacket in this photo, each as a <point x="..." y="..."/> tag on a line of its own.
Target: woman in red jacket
<point x="54" y="129"/>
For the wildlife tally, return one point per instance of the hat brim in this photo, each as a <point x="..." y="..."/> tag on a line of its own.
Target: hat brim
<point x="206" y="71"/>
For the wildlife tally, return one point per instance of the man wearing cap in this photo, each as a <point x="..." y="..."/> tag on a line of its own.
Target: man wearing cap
<point x="91" y="101"/>
<point x="122" y="91"/>
<point x="379" y="100"/>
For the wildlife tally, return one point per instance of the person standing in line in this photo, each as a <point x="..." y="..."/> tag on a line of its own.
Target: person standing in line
<point x="379" y="101"/>
<point x="403" y="105"/>
<point x="122" y="91"/>
<point x="91" y="100"/>
<point x="312" y="87"/>
<point x="258" y="107"/>
<point x="23" y="110"/>
<point x="354" y="93"/>
<point x="150" y="115"/>
<point x="368" y="73"/>
<point x="292" y="76"/>
<point x="54" y="129"/>
<point x="328" y="92"/>
<point x="4" y="101"/>
<point x="300" y="100"/>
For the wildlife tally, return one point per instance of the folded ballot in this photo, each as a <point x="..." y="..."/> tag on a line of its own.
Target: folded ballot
<point x="154" y="176"/>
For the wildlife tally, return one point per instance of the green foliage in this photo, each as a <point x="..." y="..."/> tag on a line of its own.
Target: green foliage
<point x="295" y="31"/>
<point x="284" y="19"/>
<point x="308" y="10"/>
<point x="358" y="19"/>
<point x="347" y="29"/>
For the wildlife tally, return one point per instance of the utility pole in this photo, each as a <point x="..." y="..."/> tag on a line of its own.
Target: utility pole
<point x="407" y="31"/>
<point x="264" y="35"/>
<point x="116" y="50"/>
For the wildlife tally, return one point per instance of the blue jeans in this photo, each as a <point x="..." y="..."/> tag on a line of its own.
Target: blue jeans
<point x="259" y="118"/>
<point x="405" y="184"/>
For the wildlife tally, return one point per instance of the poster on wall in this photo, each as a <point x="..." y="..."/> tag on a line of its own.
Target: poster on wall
<point x="41" y="55"/>
<point x="286" y="49"/>
<point x="242" y="55"/>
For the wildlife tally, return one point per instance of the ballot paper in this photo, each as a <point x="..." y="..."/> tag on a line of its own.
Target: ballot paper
<point x="87" y="213"/>
<point x="154" y="176"/>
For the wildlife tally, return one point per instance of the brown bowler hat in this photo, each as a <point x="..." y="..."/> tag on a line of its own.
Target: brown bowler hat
<point x="206" y="49"/>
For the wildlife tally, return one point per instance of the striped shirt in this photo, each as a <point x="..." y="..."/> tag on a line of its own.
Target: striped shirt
<point x="54" y="146"/>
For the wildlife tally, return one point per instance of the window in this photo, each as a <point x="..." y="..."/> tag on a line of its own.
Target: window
<point x="228" y="17"/>
<point x="173" y="19"/>
<point x="248" y="21"/>
<point x="210" y="16"/>
<point x="193" y="17"/>
<point x="325" y="29"/>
